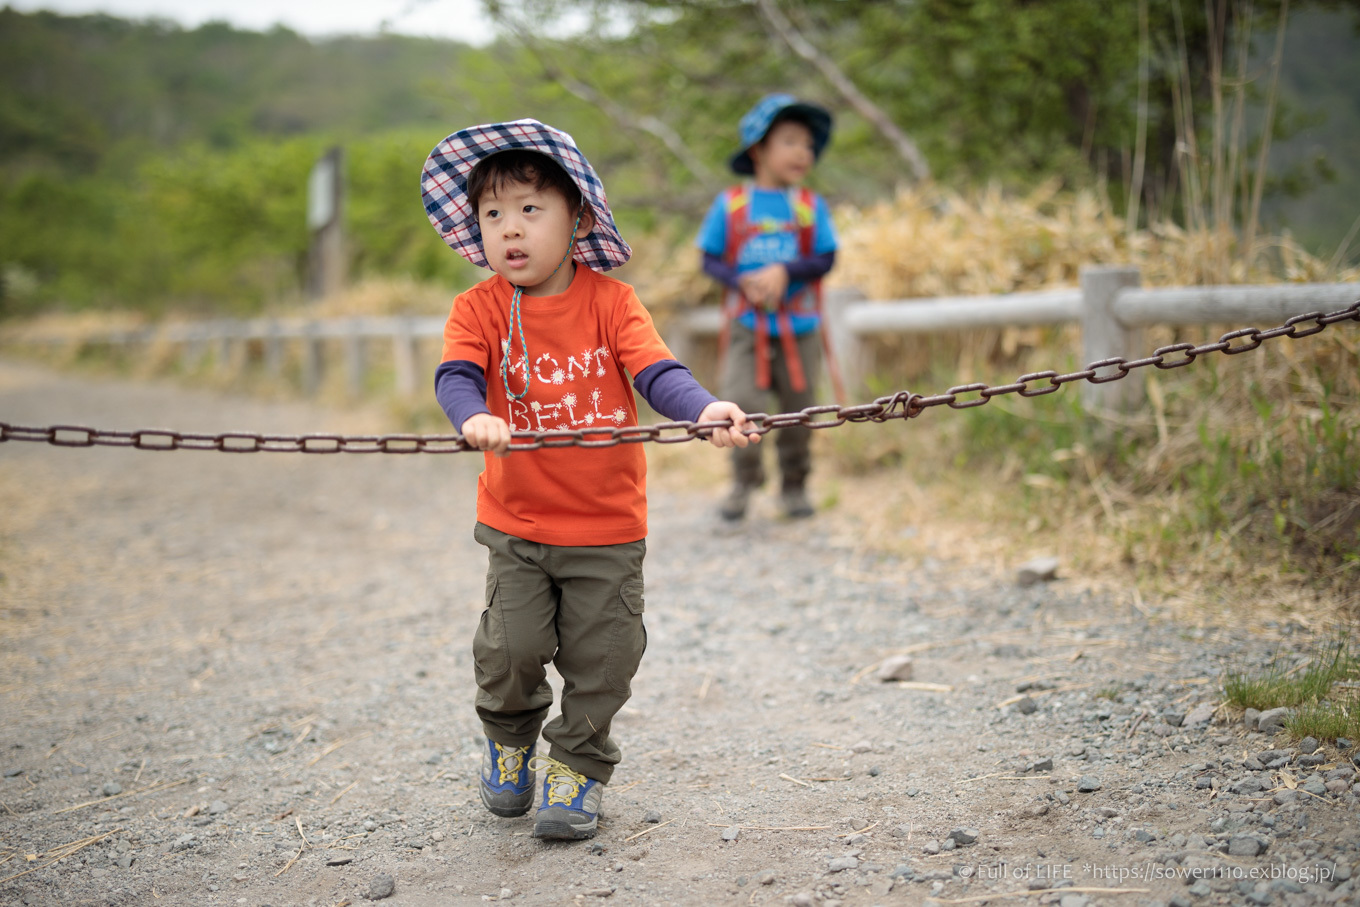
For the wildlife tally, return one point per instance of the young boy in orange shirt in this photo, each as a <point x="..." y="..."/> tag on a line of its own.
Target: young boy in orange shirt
<point x="544" y="344"/>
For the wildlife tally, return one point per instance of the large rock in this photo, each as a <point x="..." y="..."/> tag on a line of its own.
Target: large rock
<point x="1039" y="570"/>
<point x="964" y="835"/>
<point x="1200" y="714"/>
<point x="895" y="667"/>
<point x="1272" y="720"/>
<point x="1246" y="846"/>
<point x="382" y="886"/>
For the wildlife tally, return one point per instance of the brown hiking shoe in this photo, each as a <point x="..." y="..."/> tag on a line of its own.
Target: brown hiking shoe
<point x="734" y="505"/>
<point x="795" y="503"/>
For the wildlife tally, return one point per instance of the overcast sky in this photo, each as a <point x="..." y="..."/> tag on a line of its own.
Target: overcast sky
<point x="461" y="20"/>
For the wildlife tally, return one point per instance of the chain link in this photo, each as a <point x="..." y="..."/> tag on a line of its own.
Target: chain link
<point x="900" y="405"/>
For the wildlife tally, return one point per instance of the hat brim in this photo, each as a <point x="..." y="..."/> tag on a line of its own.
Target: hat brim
<point x="443" y="189"/>
<point x="817" y="118"/>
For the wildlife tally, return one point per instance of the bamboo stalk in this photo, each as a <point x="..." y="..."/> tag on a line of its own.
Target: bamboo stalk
<point x="1140" y="141"/>
<point x="1232" y="168"/>
<point x="1259" y="186"/>
<point x="1218" y="179"/>
<point x="1340" y="254"/>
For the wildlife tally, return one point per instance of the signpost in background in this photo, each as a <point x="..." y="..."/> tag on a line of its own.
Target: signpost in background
<point x="325" y="220"/>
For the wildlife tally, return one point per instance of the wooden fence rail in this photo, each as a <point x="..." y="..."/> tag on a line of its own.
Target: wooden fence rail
<point x="1110" y="305"/>
<point x="226" y="337"/>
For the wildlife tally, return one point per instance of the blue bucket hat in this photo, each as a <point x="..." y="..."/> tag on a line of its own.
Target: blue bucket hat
<point x="761" y="117"/>
<point x="443" y="189"/>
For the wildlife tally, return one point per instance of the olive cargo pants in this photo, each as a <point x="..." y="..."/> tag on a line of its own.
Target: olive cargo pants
<point x="577" y="607"/>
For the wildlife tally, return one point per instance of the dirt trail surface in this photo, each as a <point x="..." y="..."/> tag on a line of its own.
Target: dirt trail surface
<point x="246" y="680"/>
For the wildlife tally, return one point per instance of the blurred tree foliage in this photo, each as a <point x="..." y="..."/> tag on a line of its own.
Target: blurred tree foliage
<point x="1016" y="90"/>
<point x="1322" y="76"/>
<point x="146" y="165"/>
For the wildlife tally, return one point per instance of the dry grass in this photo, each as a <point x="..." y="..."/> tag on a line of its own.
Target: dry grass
<point x="382" y="296"/>
<point x="932" y="242"/>
<point x="666" y="274"/>
<point x="1226" y="499"/>
<point x="70" y="327"/>
<point x="1229" y="495"/>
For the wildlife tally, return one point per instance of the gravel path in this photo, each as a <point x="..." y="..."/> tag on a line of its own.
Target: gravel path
<point x="246" y="680"/>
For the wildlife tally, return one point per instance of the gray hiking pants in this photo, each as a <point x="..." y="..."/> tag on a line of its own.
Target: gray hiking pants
<point x="739" y="385"/>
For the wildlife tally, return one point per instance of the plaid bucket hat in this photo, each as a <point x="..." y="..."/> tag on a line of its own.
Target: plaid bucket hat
<point x="761" y="117"/>
<point x="443" y="189"/>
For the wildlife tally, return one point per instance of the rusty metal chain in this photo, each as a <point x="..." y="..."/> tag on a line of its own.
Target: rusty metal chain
<point x="899" y="405"/>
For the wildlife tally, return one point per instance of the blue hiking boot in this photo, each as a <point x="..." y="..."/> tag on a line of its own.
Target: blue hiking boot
<point x="507" y="780"/>
<point x="571" y="803"/>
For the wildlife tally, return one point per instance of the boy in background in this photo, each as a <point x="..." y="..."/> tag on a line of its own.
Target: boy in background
<point x="544" y="344"/>
<point x="769" y="241"/>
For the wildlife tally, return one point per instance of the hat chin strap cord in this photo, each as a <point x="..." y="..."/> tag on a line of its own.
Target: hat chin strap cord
<point x="517" y="320"/>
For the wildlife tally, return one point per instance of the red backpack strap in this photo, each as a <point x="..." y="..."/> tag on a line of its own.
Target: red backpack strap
<point x="737" y="211"/>
<point x="807" y="227"/>
<point x="804" y="204"/>
<point x="737" y="203"/>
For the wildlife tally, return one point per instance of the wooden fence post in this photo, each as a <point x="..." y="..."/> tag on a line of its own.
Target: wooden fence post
<point x="680" y="339"/>
<point x="1103" y="336"/>
<point x="222" y="348"/>
<point x="325" y="220"/>
<point x="845" y="345"/>
<point x="191" y="354"/>
<point x="692" y="336"/>
<point x="311" y="360"/>
<point x="273" y="351"/>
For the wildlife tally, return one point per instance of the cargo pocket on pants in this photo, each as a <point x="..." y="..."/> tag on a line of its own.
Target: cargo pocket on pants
<point x="490" y="647"/>
<point x="629" y="639"/>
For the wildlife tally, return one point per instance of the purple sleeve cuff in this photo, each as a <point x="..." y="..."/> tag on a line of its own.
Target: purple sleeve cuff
<point x="720" y="270"/>
<point x="460" y="388"/>
<point x="801" y="270"/>
<point x="670" y="389"/>
<point x="811" y="268"/>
